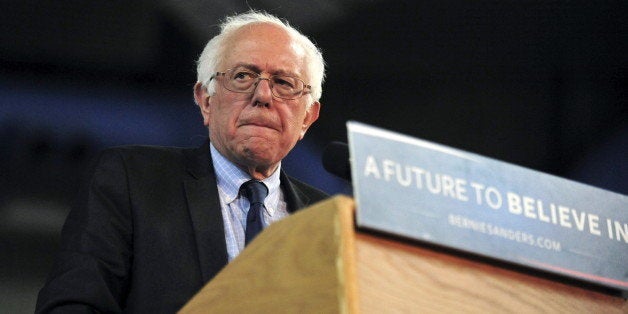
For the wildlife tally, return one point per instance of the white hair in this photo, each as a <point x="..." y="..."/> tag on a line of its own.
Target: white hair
<point x="214" y="51"/>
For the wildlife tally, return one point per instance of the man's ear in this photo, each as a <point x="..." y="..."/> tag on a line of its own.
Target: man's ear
<point x="311" y="115"/>
<point x="201" y="97"/>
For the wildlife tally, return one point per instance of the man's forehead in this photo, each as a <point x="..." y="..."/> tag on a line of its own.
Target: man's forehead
<point x="265" y="46"/>
<point x="257" y="34"/>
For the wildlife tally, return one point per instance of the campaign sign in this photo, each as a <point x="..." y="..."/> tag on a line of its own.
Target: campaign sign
<point x="429" y="192"/>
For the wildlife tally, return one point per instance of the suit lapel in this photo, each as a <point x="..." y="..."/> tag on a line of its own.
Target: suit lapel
<point x="204" y="207"/>
<point x="295" y="198"/>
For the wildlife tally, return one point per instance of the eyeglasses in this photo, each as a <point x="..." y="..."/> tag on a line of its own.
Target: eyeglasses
<point x="242" y="80"/>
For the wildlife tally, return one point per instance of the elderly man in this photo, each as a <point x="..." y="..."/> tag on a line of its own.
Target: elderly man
<point x="153" y="225"/>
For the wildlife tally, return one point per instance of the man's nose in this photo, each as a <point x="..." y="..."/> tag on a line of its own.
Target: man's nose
<point x="263" y="92"/>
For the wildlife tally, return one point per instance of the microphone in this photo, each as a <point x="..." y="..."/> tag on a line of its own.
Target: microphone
<point x="336" y="160"/>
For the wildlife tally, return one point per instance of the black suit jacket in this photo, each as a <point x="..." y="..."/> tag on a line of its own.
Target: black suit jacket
<point x="146" y="233"/>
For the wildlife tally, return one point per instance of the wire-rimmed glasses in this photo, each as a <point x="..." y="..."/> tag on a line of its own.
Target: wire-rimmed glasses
<point x="243" y="80"/>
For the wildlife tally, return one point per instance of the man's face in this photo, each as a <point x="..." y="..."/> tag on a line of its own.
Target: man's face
<point x="257" y="130"/>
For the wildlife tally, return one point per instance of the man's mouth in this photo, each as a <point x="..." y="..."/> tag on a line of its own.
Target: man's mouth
<point x="260" y="124"/>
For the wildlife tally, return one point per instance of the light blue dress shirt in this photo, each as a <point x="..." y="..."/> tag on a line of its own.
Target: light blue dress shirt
<point x="234" y="207"/>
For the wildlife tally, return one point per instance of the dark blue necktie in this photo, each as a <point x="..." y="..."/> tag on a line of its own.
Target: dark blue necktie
<point x="255" y="191"/>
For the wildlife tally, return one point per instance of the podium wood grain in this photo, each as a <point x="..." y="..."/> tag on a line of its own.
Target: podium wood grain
<point x="315" y="262"/>
<point x="302" y="264"/>
<point x="408" y="278"/>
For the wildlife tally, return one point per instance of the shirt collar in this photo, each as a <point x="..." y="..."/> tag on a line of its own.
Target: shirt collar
<point x="230" y="177"/>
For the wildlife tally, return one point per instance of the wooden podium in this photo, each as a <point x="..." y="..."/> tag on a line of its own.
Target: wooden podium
<point x="315" y="261"/>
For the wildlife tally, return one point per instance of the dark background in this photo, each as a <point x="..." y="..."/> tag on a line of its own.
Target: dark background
<point x="542" y="84"/>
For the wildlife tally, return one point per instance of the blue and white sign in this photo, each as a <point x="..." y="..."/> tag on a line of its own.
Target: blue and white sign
<point x="429" y="192"/>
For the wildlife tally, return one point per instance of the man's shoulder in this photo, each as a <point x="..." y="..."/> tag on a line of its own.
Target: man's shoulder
<point x="148" y="157"/>
<point x="148" y="152"/>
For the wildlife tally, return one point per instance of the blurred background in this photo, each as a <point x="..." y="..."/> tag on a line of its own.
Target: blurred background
<point x="541" y="84"/>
